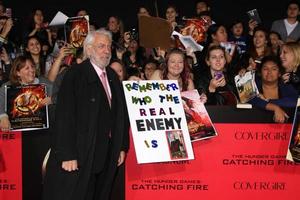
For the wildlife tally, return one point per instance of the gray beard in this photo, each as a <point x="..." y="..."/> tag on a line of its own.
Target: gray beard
<point x="99" y="63"/>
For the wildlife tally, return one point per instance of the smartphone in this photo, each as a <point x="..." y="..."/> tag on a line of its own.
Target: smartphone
<point x="8" y="12"/>
<point x="253" y="15"/>
<point x="218" y="75"/>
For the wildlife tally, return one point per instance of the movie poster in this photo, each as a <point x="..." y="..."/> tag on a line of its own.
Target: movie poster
<point x="157" y="120"/>
<point x="77" y="29"/>
<point x="293" y="153"/>
<point x="24" y="108"/>
<point x="246" y="86"/>
<point x="199" y="123"/>
<point x="195" y="28"/>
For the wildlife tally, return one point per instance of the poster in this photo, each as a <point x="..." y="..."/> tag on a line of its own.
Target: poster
<point x="157" y="121"/>
<point x="77" y="29"/>
<point x="154" y="32"/>
<point x="246" y="86"/>
<point x="293" y="153"/>
<point x="24" y="108"/>
<point x="199" y="123"/>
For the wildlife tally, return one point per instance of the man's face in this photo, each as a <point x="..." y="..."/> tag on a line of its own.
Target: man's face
<point x="201" y="6"/>
<point x="100" y="51"/>
<point x="293" y="11"/>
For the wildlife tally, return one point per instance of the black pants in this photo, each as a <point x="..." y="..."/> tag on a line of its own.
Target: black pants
<point x="96" y="186"/>
<point x="97" y="182"/>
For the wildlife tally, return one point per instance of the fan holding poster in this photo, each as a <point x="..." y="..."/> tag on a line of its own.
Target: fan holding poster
<point x="75" y="31"/>
<point x="24" y="99"/>
<point x="157" y="120"/>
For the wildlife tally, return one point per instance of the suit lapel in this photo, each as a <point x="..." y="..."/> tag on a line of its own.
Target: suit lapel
<point x="113" y="87"/>
<point x="95" y="84"/>
<point x="295" y="29"/>
<point x="284" y="29"/>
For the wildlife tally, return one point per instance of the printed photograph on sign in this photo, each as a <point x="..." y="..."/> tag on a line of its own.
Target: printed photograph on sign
<point x="176" y="145"/>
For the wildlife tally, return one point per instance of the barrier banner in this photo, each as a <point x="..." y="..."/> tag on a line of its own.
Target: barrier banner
<point x="245" y="161"/>
<point x="10" y="166"/>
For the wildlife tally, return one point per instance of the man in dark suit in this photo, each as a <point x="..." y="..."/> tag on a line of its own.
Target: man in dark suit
<point x="91" y="127"/>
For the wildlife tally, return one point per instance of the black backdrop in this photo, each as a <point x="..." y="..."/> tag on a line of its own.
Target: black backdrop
<point x="223" y="10"/>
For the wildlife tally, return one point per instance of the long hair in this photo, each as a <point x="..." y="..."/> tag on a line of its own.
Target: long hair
<point x="267" y="49"/>
<point x="295" y="48"/>
<point x="42" y="63"/>
<point x="185" y="74"/>
<point x="18" y="64"/>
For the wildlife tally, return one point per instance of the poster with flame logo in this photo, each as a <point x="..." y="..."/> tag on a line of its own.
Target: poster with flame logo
<point x="24" y="108"/>
<point x="77" y="29"/>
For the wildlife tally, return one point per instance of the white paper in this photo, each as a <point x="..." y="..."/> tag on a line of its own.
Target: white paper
<point x="188" y="41"/>
<point x="158" y="103"/>
<point x="59" y="19"/>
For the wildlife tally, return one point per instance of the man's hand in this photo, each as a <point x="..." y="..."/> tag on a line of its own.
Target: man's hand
<point x="70" y="165"/>
<point x="4" y="124"/>
<point x="121" y="158"/>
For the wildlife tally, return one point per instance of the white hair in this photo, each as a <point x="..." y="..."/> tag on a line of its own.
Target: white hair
<point x="91" y="37"/>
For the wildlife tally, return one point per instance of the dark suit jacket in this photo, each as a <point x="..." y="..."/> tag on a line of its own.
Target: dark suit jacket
<point x="82" y="124"/>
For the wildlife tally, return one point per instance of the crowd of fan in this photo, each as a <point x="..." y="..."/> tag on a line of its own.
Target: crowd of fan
<point x="273" y="54"/>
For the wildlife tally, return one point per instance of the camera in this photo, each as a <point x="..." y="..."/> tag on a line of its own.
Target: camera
<point x="294" y="78"/>
<point x="8" y="12"/>
<point x="133" y="34"/>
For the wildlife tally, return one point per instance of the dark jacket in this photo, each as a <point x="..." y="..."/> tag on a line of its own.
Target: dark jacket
<point x="287" y="96"/>
<point x="83" y="122"/>
<point x="295" y="80"/>
<point x="222" y="96"/>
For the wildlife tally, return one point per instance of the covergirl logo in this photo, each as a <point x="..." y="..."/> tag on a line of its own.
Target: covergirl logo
<point x="264" y="136"/>
<point x="247" y="185"/>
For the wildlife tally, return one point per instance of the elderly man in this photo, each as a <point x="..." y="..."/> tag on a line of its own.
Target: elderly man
<point x="91" y="127"/>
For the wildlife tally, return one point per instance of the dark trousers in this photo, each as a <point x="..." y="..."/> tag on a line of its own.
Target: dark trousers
<point x="97" y="182"/>
<point x="95" y="187"/>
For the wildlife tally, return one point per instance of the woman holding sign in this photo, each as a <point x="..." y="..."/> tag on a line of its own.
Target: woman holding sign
<point x="175" y="68"/>
<point x="35" y="144"/>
